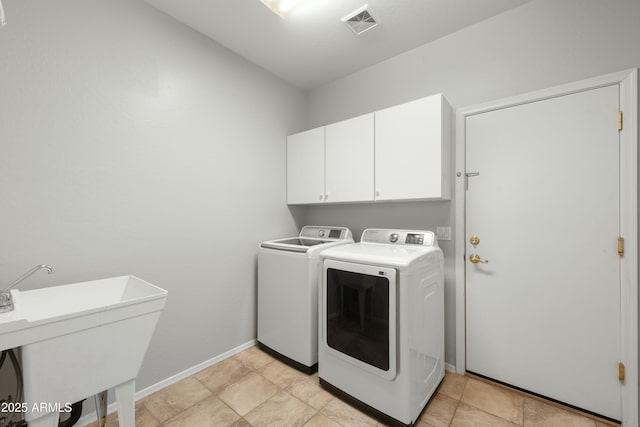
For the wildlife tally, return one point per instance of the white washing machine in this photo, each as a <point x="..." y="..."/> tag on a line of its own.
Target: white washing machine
<point x="288" y="294"/>
<point x="382" y="322"/>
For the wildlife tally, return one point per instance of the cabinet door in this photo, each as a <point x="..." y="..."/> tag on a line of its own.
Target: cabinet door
<point x="305" y="167"/>
<point x="349" y="160"/>
<point x="412" y="150"/>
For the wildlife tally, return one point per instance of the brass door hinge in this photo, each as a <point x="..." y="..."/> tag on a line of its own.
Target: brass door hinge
<point x="621" y="372"/>
<point x="619" y="120"/>
<point x="621" y="246"/>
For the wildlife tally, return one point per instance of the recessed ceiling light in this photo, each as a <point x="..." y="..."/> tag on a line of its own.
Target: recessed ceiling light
<point x="281" y="7"/>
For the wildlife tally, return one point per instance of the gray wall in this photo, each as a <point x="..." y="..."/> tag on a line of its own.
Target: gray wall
<point x="129" y="144"/>
<point x="541" y="44"/>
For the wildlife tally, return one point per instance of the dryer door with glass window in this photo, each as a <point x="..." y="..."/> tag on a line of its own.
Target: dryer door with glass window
<point x="359" y="315"/>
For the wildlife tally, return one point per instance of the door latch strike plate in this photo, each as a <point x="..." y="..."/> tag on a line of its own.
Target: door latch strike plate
<point x="621" y="372"/>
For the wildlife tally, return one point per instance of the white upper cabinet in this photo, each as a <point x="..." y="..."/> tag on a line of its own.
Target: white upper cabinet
<point x="399" y="153"/>
<point x="412" y="150"/>
<point x="349" y="160"/>
<point x="305" y="167"/>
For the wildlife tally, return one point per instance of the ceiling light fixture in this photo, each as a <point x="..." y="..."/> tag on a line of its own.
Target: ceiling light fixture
<point x="282" y="8"/>
<point x="3" y="22"/>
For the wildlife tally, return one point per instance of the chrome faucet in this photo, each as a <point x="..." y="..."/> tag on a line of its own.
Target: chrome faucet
<point x="6" y="302"/>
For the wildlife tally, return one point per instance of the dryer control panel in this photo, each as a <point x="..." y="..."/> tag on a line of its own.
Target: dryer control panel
<point x="399" y="237"/>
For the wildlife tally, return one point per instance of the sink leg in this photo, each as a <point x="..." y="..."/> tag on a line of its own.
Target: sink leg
<point x="126" y="403"/>
<point x="101" y="408"/>
<point x="49" y="420"/>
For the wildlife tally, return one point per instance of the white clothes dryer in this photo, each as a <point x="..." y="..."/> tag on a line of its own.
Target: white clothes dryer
<point x="382" y="322"/>
<point x="288" y="294"/>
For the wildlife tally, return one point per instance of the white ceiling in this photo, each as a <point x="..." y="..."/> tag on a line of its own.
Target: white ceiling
<point x="312" y="46"/>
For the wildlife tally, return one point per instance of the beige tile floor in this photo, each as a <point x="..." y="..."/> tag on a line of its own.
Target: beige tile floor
<point x="253" y="389"/>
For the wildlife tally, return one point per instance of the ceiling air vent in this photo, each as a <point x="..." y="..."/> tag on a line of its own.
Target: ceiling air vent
<point x="360" y="20"/>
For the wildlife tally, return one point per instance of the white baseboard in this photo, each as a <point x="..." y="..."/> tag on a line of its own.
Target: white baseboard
<point x="91" y="417"/>
<point x="190" y="371"/>
<point x="449" y="367"/>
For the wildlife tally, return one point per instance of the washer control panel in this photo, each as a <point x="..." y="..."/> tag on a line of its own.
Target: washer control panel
<point x="400" y="237"/>
<point x="328" y="233"/>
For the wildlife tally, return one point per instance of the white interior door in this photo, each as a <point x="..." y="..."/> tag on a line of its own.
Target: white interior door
<point x="544" y="313"/>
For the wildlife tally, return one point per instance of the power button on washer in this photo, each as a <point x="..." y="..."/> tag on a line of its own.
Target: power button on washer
<point x="393" y="237"/>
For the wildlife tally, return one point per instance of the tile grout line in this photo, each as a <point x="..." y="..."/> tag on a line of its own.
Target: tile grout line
<point x="216" y="394"/>
<point x="543" y="400"/>
<point x="459" y="401"/>
<point x="257" y="370"/>
<point x="285" y="391"/>
<point x="456" y="409"/>
<point x="484" y="410"/>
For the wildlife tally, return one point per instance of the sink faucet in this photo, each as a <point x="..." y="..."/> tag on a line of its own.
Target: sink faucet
<point x="6" y="302"/>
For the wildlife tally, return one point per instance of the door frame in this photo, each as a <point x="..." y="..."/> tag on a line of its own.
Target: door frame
<point x="628" y="82"/>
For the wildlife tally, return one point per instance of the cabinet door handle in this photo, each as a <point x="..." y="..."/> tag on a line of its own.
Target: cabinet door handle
<point x="321" y="196"/>
<point x="326" y="196"/>
<point x="377" y="193"/>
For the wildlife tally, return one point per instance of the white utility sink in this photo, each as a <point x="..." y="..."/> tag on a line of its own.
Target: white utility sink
<point x="80" y="339"/>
